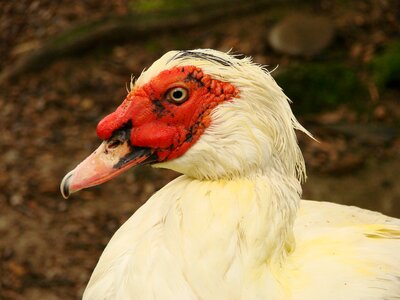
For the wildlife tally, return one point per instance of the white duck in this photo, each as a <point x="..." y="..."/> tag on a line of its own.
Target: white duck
<point x="232" y="226"/>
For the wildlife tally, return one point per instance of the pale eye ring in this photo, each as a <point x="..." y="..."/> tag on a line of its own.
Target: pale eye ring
<point x="178" y="95"/>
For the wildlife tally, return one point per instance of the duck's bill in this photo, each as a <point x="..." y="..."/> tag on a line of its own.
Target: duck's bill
<point x="106" y="162"/>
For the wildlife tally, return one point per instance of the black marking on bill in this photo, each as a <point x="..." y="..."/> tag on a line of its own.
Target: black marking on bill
<point x="202" y="55"/>
<point x="122" y="133"/>
<point x="119" y="136"/>
<point x="65" y="185"/>
<point x="137" y="152"/>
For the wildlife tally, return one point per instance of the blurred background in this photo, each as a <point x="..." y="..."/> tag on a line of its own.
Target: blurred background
<point x="65" y="64"/>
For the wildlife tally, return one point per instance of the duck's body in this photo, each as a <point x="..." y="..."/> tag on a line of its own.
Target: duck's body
<point x="232" y="227"/>
<point x="344" y="252"/>
<point x="223" y="240"/>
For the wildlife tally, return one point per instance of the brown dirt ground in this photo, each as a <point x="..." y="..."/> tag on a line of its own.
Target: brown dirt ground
<point x="48" y="245"/>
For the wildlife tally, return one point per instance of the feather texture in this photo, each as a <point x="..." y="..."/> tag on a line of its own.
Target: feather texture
<point x="231" y="240"/>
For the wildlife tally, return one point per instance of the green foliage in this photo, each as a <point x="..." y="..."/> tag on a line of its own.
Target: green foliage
<point x="69" y="36"/>
<point x="316" y="87"/>
<point x="386" y="66"/>
<point x="146" y="6"/>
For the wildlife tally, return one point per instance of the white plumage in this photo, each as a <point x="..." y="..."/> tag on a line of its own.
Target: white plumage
<point x="233" y="226"/>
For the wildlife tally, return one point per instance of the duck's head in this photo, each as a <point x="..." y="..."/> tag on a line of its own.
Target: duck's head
<point x="203" y="113"/>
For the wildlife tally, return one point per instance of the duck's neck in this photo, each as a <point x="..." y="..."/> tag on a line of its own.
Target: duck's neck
<point x="244" y="223"/>
<point x="267" y="223"/>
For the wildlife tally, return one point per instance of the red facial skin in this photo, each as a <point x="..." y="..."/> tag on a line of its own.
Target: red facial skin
<point x="159" y="123"/>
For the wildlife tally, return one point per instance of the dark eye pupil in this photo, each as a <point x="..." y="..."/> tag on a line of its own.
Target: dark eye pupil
<point x="177" y="94"/>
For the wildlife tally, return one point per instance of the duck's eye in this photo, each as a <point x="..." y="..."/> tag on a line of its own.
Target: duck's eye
<point x="178" y="95"/>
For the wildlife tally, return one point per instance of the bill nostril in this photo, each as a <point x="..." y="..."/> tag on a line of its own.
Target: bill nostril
<point x="113" y="144"/>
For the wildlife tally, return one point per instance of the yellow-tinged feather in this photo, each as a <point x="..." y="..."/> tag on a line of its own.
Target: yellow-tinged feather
<point x="377" y="231"/>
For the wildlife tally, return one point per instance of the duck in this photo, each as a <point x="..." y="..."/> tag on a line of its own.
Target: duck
<point x="233" y="225"/>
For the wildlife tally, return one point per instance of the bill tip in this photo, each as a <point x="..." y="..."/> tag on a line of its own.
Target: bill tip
<point x="64" y="186"/>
